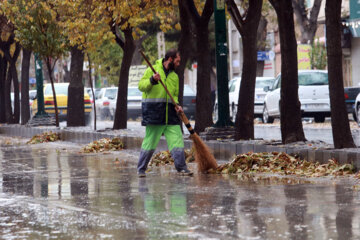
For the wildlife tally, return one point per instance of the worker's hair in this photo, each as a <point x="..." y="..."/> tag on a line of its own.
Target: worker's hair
<point x="171" y="53"/>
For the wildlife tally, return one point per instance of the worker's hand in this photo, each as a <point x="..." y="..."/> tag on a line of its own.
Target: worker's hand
<point x="156" y="77"/>
<point x="179" y="109"/>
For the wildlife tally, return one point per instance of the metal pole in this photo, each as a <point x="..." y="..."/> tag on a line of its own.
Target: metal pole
<point x="221" y="65"/>
<point x="39" y="87"/>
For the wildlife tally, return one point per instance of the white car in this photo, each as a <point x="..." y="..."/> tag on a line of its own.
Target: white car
<point x="357" y="108"/>
<point x="133" y="103"/>
<point x="313" y="95"/>
<point x="103" y="100"/>
<point x="234" y="89"/>
<point x="96" y="92"/>
<point x="32" y="96"/>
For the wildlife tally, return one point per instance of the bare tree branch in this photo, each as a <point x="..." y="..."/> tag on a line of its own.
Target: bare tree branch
<point x="315" y="11"/>
<point x="193" y="11"/>
<point x="235" y="15"/>
<point x="115" y="30"/>
<point x="208" y="10"/>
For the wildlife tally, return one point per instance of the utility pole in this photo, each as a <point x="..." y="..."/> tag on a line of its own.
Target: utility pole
<point x="41" y="117"/>
<point x="39" y="87"/>
<point x="221" y="65"/>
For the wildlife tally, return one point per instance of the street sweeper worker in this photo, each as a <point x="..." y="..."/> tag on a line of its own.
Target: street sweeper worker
<point x="159" y="114"/>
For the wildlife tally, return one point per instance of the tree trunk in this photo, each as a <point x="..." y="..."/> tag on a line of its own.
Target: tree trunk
<point x="16" y="117"/>
<point x="66" y="73"/>
<point x="250" y="32"/>
<point x="15" y="80"/>
<point x="137" y="58"/>
<point x="92" y="90"/>
<point x="290" y="117"/>
<point x="203" y="116"/>
<point x="3" y="70"/>
<point x="244" y="123"/>
<point x="308" y="25"/>
<point x="120" y="121"/>
<point x="75" y="105"/>
<point x="184" y="46"/>
<point x="260" y="68"/>
<point x="50" y="70"/>
<point x="339" y="118"/>
<point x="25" y="67"/>
<point x="12" y="115"/>
<point x="8" y="107"/>
<point x="261" y="44"/>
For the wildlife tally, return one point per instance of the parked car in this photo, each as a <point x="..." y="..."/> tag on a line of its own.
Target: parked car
<point x="32" y="96"/>
<point x="96" y="92"/>
<point x="189" y="102"/>
<point x="103" y="100"/>
<point x="234" y="89"/>
<point x="351" y="94"/>
<point x="313" y="95"/>
<point x="61" y="90"/>
<point x="357" y="108"/>
<point x="133" y="104"/>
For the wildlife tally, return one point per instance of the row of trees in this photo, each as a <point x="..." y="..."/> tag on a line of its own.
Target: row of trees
<point x="291" y="124"/>
<point x="58" y="27"/>
<point x="53" y="28"/>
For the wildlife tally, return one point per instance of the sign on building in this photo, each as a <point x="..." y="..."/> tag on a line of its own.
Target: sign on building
<point x="265" y="55"/>
<point x="160" y="36"/>
<point x="135" y="74"/>
<point x="354" y="9"/>
<point x="303" y="53"/>
<point x="354" y="22"/>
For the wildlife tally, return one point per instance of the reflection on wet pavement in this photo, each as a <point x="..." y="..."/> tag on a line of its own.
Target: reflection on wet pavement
<point x="51" y="191"/>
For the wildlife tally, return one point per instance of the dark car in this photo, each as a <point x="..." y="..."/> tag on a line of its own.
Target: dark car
<point x="350" y="96"/>
<point x="189" y="102"/>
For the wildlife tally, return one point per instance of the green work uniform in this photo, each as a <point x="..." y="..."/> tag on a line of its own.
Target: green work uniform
<point x="159" y="117"/>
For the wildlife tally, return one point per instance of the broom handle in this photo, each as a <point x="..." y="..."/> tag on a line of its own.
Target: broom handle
<point x="181" y="114"/>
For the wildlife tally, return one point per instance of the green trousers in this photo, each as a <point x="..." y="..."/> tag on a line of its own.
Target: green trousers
<point x="175" y="142"/>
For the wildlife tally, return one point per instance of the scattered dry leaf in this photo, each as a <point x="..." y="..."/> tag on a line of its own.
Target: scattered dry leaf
<point x="104" y="144"/>
<point x="164" y="158"/>
<point x="44" y="137"/>
<point x="282" y="163"/>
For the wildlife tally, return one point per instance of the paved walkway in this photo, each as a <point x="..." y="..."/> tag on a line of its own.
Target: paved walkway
<point x="222" y="149"/>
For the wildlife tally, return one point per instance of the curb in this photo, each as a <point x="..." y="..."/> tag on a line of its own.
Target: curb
<point x="221" y="150"/>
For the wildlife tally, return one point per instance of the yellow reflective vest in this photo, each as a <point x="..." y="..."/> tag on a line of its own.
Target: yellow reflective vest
<point x="157" y="108"/>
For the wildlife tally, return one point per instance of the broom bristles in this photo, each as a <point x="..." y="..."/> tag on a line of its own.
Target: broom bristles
<point x="203" y="157"/>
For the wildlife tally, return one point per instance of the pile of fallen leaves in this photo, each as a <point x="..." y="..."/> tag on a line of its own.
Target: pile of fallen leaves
<point x="282" y="163"/>
<point x="11" y="141"/>
<point x="164" y="158"/>
<point x="104" y="144"/>
<point x="44" y="137"/>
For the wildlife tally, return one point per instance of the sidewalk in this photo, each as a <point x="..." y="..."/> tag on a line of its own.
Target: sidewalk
<point x="222" y="149"/>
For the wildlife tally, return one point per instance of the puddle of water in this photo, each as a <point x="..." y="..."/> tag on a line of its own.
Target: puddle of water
<point x="49" y="192"/>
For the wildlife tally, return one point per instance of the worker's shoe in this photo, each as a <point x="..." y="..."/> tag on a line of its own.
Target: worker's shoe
<point x="141" y="175"/>
<point x="185" y="173"/>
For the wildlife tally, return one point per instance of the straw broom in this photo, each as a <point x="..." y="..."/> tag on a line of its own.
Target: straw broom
<point x="203" y="157"/>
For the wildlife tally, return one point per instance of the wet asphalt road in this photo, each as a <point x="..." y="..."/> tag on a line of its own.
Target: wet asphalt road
<point x="51" y="191"/>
